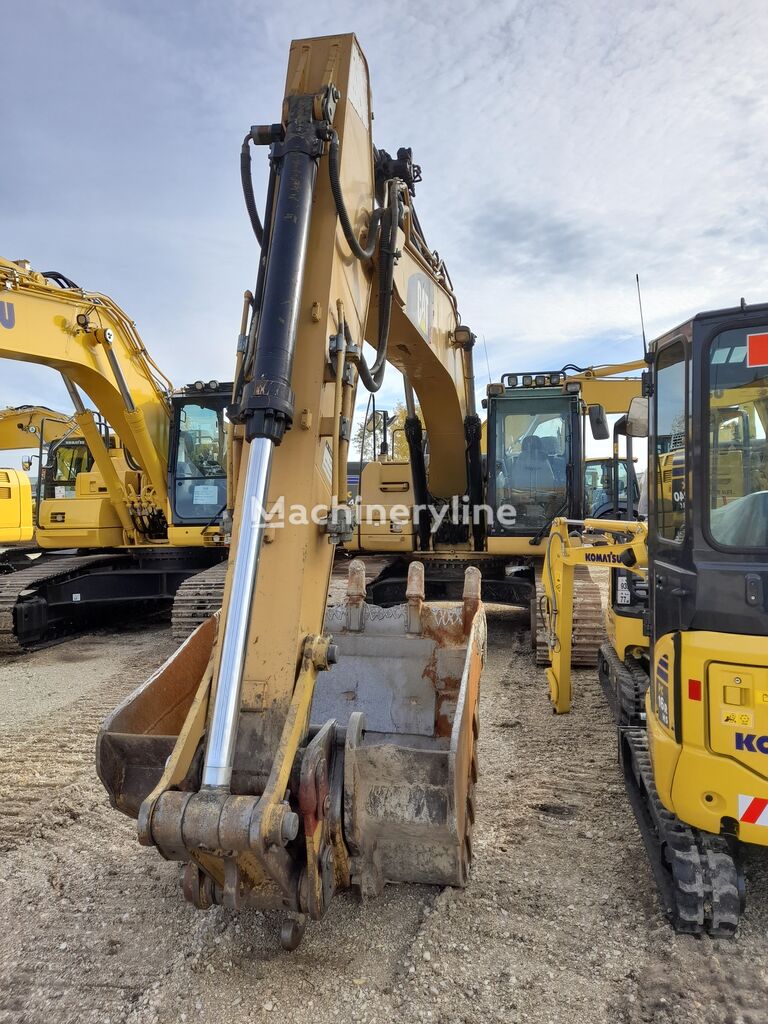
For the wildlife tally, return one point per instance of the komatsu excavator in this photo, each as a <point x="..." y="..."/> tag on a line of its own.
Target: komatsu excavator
<point x="535" y="438"/>
<point x="23" y="427"/>
<point x="287" y="752"/>
<point x="138" y="507"/>
<point x="686" y="665"/>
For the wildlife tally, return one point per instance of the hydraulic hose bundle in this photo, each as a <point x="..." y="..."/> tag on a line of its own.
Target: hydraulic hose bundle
<point x="382" y="228"/>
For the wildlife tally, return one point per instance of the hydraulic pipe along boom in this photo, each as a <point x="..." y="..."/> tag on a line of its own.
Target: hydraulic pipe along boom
<point x="268" y="411"/>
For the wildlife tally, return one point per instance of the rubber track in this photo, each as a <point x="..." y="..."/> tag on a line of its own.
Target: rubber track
<point x="588" y="625"/>
<point x="625" y="684"/>
<point x="13" y="584"/>
<point x="198" y="597"/>
<point x="699" y="879"/>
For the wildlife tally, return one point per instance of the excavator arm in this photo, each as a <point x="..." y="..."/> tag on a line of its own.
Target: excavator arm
<point x="609" y="384"/>
<point x="286" y="752"/>
<point x="598" y="542"/>
<point x="23" y="426"/>
<point x="48" y="320"/>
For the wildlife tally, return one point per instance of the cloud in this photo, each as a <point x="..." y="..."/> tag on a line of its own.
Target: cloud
<point x="532" y="246"/>
<point x="565" y="147"/>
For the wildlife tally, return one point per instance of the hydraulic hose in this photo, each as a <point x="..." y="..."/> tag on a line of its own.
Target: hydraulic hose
<point x="373" y="376"/>
<point x="247" y="180"/>
<point x="247" y="363"/>
<point x="363" y="254"/>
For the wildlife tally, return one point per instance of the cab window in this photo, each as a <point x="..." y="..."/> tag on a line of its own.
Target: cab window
<point x="532" y="444"/>
<point x="670" y="440"/>
<point x="738" y="457"/>
<point x="200" y="486"/>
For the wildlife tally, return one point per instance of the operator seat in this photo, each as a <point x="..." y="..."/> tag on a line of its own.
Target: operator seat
<point x="531" y="471"/>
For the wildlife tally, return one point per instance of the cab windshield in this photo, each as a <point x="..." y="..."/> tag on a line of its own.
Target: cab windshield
<point x="66" y="460"/>
<point x="201" y="479"/>
<point x="598" y="487"/>
<point x="738" y="456"/>
<point x="532" y="444"/>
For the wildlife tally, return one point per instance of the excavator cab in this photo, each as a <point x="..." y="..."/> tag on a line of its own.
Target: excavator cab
<point x="534" y="441"/>
<point x="65" y="461"/>
<point x="74" y="508"/>
<point x="197" y="465"/>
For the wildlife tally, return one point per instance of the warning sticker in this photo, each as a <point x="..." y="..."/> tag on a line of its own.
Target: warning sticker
<point x="757" y="349"/>
<point x="622" y="591"/>
<point x="753" y="810"/>
<point x="745" y="718"/>
<point x="358" y="84"/>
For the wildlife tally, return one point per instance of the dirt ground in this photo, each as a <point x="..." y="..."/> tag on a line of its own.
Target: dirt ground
<point x="558" y="924"/>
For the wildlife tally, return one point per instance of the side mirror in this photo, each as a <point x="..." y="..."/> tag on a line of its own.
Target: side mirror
<point x="637" y="417"/>
<point x="598" y="423"/>
<point x="26" y="465"/>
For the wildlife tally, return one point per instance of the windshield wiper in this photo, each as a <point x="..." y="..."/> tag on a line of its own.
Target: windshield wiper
<point x="537" y="538"/>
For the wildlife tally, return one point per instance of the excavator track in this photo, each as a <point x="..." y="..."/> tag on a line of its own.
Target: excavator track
<point x="14" y="640"/>
<point x="700" y="881"/>
<point x="624" y="684"/>
<point x="202" y="595"/>
<point x="588" y="627"/>
<point x="197" y="599"/>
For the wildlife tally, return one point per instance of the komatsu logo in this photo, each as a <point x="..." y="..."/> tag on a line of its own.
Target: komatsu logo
<point x="592" y="556"/>
<point x="754" y="744"/>
<point x="7" y="315"/>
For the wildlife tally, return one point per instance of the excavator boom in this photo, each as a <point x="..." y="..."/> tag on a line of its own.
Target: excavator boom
<point x="287" y="752"/>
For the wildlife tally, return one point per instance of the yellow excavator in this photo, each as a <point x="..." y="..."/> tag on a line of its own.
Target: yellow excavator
<point x="535" y="439"/>
<point x="139" y="507"/>
<point x="24" y="427"/>
<point x="686" y="665"/>
<point x="287" y="752"/>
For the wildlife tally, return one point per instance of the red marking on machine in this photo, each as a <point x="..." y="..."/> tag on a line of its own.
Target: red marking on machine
<point x="753" y="810"/>
<point x="757" y="349"/>
<point x="694" y="689"/>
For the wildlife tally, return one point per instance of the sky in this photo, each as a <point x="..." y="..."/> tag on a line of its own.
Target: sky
<point x="565" y="147"/>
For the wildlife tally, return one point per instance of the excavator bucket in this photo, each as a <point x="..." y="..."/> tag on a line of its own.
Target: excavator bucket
<point x="139" y="736"/>
<point x="390" y="744"/>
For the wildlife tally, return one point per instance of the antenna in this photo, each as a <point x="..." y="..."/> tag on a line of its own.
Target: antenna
<point x="487" y="362"/>
<point x="642" y="323"/>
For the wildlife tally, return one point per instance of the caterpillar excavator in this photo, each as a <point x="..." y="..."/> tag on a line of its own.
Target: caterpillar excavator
<point x="686" y="665"/>
<point x="288" y="751"/>
<point x="535" y="437"/>
<point x="136" y="503"/>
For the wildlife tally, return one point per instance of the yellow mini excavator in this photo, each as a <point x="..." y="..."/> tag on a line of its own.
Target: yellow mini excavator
<point x="287" y="752"/>
<point x="686" y="665"/>
<point x="135" y="504"/>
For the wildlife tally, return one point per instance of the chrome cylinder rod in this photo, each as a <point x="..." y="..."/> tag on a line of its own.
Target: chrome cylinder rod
<point x="220" y="749"/>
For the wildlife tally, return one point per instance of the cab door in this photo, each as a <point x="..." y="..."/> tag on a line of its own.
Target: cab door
<point x="672" y="576"/>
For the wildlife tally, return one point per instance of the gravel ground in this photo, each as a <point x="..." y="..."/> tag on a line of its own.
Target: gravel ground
<point x="558" y="924"/>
